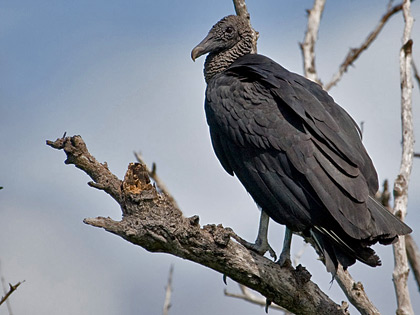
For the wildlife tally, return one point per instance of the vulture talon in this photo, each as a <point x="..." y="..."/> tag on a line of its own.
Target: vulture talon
<point x="260" y="248"/>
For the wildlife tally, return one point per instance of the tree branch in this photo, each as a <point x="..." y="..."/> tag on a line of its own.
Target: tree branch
<point x="168" y="292"/>
<point x="400" y="273"/>
<point x="354" y="53"/>
<point x="4" y="286"/>
<point x="413" y="255"/>
<point x="241" y="10"/>
<point x="308" y="45"/>
<point x="151" y="221"/>
<point x="416" y="73"/>
<point x="355" y="292"/>
<point x="248" y="296"/>
<point x="12" y="288"/>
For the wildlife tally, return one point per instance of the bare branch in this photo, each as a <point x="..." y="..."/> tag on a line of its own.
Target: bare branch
<point x="248" y="296"/>
<point x="308" y="45"/>
<point x="413" y="255"/>
<point x="168" y="292"/>
<point x="352" y="289"/>
<point x="241" y="10"/>
<point x="12" y="288"/>
<point x="3" y="284"/>
<point x="151" y="221"/>
<point x="354" y="53"/>
<point x="102" y="177"/>
<point x="416" y="72"/>
<point x="299" y="254"/>
<point x="400" y="273"/>
<point x="355" y="293"/>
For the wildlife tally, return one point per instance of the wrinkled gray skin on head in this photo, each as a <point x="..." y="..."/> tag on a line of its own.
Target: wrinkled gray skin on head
<point x="228" y="39"/>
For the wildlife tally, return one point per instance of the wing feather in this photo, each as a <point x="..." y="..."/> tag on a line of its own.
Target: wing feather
<point x="296" y="151"/>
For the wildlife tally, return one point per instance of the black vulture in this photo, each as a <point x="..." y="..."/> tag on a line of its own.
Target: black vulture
<point x="297" y="152"/>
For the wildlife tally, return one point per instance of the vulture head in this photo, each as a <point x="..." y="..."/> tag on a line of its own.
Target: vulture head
<point x="228" y="39"/>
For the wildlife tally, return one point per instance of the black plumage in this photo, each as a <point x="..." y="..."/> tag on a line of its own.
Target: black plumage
<point x="296" y="151"/>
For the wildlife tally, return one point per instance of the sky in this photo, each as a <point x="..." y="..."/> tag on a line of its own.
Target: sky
<point x="119" y="74"/>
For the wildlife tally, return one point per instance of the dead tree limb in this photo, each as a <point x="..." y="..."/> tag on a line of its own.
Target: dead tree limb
<point x="12" y="288"/>
<point x="5" y="290"/>
<point x="416" y="73"/>
<point x="412" y="250"/>
<point x="413" y="254"/>
<point x="354" y="53"/>
<point x="308" y="45"/>
<point x="150" y="220"/>
<point x="168" y="292"/>
<point x="241" y="10"/>
<point x="401" y="270"/>
<point x="355" y="292"/>
<point x="248" y="296"/>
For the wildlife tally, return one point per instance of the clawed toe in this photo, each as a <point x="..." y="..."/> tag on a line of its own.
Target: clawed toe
<point x="261" y="248"/>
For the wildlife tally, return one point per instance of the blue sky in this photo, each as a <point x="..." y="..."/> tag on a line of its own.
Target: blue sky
<point x="119" y="73"/>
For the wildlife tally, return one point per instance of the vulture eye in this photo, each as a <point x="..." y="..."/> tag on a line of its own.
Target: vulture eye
<point x="229" y="29"/>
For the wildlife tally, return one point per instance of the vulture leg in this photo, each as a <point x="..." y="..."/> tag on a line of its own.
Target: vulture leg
<point x="261" y="245"/>
<point x="284" y="259"/>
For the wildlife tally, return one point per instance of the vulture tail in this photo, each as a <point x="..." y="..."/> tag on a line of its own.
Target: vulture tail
<point x="385" y="226"/>
<point x="335" y="250"/>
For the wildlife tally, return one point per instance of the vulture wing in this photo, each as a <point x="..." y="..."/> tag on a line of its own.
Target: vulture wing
<point x="298" y="154"/>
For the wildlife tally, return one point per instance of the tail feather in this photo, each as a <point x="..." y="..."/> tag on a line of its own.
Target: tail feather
<point x="385" y="227"/>
<point x="336" y="250"/>
<point x="337" y="247"/>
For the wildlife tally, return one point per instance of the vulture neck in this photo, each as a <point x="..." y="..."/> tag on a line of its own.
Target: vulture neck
<point x="220" y="61"/>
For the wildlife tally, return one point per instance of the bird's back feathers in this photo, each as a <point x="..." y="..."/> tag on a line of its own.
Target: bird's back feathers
<point x="300" y="156"/>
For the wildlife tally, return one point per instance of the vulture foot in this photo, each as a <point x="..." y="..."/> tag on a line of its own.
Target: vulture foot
<point x="260" y="246"/>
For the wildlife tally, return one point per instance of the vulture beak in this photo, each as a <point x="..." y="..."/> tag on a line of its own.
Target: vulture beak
<point x="206" y="45"/>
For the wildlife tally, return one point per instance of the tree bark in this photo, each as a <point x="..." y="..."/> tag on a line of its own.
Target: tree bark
<point x="401" y="270"/>
<point x="311" y="35"/>
<point x="151" y="221"/>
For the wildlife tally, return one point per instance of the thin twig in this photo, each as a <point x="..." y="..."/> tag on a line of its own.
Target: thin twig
<point x="401" y="270"/>
<point x="416" y="72"/>
<point x="248" y="296"/>
<point x="12" y="288"/>
<point x="354" y="53"/>
<point x="3" y="283"/>
<point x="153" y="175"/>
<point x="308" y="45"/>
<point x="299" y="254"/>
<point x="168" y="292"/>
